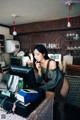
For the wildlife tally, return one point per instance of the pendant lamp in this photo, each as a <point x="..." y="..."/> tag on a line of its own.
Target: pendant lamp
<point x="14" y="25"/>
<point x="69" y="10"/>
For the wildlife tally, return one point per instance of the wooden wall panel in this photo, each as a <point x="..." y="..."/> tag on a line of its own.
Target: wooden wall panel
<point x="56" y="37"/>
<point x="47" y="26"/>
<point x="48" y="32"/>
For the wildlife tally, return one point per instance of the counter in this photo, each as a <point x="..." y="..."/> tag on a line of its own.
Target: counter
<point x="43" y="112"/>
<point x="73" y="69"/>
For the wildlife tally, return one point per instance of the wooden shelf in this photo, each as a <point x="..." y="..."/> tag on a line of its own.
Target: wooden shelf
<point x="72" y="49"/>
<point x="5" y="69"/>
<point x="1" y="40"/>
<point x="2" y="47"/>
<point x="53" y="48"/>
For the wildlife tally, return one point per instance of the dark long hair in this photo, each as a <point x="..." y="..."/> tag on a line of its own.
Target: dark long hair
<point x="42" y="49"/>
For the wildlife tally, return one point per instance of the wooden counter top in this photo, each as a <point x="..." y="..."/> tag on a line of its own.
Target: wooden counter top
<point x="73" y="69"/>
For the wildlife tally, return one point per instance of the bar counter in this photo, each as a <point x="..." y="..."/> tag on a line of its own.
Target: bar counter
<point x="73" y="69"/>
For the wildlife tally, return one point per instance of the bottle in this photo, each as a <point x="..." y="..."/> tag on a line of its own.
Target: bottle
<point x="21" y="83"/>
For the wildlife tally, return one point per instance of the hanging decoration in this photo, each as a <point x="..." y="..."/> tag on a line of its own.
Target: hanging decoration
<point x="14" y="25"/>
<point x="68" y="19"/>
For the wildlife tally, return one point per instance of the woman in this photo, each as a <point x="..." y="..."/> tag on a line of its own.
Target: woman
<point x="49" y="77"/>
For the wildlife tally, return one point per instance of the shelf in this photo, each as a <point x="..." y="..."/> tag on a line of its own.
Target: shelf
<point x="73" y="40"/>
<point x="53" y="48"/>
<point x="2" y="47"/>
<point x="1" y="40"/>
<point x="72" y="49"/>
<point x="5" y="69"/>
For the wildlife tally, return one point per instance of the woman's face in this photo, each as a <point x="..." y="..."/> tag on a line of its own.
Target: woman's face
<point x="38" y="56"/>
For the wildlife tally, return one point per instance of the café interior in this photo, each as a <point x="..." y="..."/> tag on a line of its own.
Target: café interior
<point x="56" y="25"/>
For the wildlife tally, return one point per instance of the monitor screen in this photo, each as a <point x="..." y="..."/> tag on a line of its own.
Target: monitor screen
<point x="56" y="57"/>
<point x="16" y="61"/>
<point x="27" y="73"/>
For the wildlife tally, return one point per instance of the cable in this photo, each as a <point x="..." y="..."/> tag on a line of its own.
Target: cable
<point x="10" y="111"/>
<point x="14" y="106"/>
<point x="1" y="105"/>
<point x="3" y="101"/>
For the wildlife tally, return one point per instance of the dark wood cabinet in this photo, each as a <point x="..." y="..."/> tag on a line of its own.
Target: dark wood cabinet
<point x="2" y="47"/>
<point x="55" y="50"/>
<point x="74" y="52"/>
<point x="73" y="70"/>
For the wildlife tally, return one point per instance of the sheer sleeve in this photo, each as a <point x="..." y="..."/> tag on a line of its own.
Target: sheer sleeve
<point x="38" y="78"/>
<point x="54" y="77"/>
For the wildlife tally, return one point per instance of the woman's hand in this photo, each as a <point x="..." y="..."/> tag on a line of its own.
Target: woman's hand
<point x="38" y="66"/>
<point x="30" y="63"/>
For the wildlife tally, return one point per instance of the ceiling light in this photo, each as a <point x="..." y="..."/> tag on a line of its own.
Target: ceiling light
<point x="14" y="23"/>
<point x="68" y="19"/>
<point x="68" y="22"/>
<point x="14" y="31"/>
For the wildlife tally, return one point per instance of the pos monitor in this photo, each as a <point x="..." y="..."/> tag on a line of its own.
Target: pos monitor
<point x="27" y="73"/>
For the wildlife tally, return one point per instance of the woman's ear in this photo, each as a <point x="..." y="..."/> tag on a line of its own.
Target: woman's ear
<point x="44" y="54"/>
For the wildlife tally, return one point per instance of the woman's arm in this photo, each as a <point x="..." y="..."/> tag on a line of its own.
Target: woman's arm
<point x="55" y="76"/>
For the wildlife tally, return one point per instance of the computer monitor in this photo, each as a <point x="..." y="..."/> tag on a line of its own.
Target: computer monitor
<point x="27" y="73"/>
<point x="56" y="57"/>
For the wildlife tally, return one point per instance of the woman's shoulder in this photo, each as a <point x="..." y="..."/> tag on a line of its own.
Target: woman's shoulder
<point x="52" y="64"/>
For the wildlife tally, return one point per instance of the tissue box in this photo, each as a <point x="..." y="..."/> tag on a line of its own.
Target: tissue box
<point x="27" y="96"/>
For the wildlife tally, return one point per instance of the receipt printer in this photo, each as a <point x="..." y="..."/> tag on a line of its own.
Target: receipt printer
<point x="27" y="96"/>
